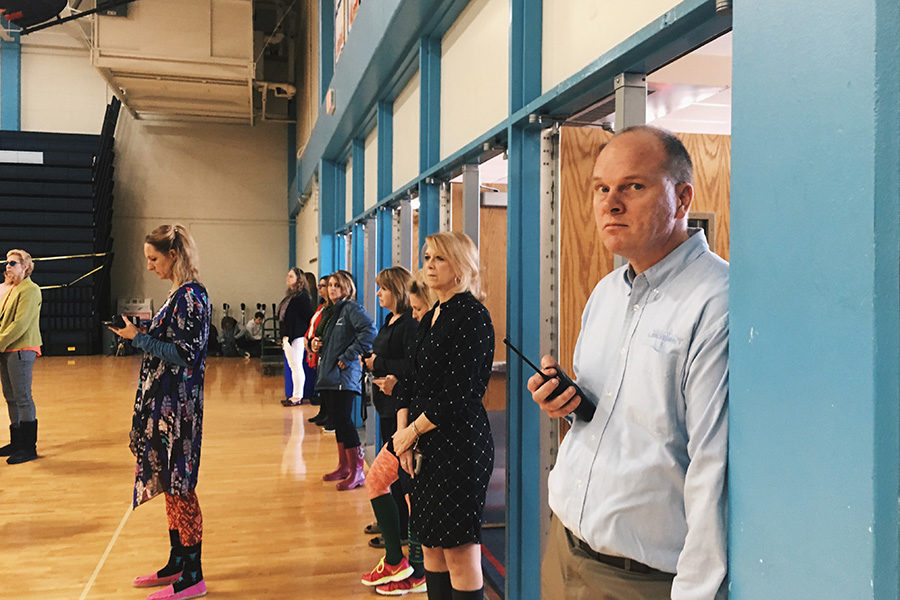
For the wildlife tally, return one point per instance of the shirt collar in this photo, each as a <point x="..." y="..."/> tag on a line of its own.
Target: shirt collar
<point x="674" y="261"/>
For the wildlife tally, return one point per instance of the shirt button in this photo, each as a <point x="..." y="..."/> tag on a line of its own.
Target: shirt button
<point x="623" y="350"/>
<point x="579" y="483"/>
<point x="637" y="307"/>
<point x="609" y="394"/>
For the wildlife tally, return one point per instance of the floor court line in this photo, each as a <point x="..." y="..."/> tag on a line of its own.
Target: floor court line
<point x="109" y="547"/>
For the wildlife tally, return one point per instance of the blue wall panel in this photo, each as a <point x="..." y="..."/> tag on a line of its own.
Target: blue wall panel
<point x="807" y="383"/>
<point x="10" y="84"/>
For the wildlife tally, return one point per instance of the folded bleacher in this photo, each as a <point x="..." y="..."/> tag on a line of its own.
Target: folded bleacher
<point x="56" y="196"/>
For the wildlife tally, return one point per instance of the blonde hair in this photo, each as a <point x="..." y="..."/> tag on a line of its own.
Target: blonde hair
<point x="460" y="251"/>
<point x="345" y="282"/>
<point x="27" y="262"/>
<point x="396" y="281"/>
<point x="176" y="237"/>
<point x="418" y="287"/>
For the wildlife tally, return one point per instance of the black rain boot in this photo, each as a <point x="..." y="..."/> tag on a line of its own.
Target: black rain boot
<point x="191" y="580"/>
<point x="13" y="445"/>
<point x="27" y="443"/>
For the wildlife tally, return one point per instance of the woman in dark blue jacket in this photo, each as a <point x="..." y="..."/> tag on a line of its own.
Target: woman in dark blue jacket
<point x="348" y="336"/>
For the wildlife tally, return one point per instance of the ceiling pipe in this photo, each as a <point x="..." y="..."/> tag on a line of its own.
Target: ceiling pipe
<point x="724" y="7"/>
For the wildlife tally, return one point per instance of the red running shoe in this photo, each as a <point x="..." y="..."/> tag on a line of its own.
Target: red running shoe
<point x="384" y="573"/>
<point x="410" y="585"/>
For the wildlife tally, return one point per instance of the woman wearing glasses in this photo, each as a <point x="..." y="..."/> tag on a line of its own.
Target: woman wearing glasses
<point x="20" y="345"/>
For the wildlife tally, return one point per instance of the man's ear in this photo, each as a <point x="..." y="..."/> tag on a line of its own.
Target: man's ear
<point x="684" y="194"/>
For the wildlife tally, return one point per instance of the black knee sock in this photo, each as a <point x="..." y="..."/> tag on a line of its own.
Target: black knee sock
<point x="173" y="567"/>
<point x="192" y="573"/>
<point x="473" y="595"/>
<point x="385" y="510"/>
<point x="439" y="587"/>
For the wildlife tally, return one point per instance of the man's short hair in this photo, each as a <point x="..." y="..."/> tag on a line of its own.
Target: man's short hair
<point x="259" y="315"/>
<point x="679" y="165"/>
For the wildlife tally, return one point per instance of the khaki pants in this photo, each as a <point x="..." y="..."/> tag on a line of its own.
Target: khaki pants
<point x="567" y="572"/>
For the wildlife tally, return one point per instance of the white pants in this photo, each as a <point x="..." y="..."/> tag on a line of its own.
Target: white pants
<point x="296" y="359"/>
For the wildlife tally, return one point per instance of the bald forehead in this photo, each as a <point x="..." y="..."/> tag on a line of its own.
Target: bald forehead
<point x="633" y="147"/>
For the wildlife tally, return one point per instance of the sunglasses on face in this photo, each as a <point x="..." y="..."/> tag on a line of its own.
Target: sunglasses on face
<point x="13" y="263"/>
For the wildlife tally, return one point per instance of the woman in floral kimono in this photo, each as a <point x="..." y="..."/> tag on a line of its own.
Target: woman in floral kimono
<point x="168" y="411"/>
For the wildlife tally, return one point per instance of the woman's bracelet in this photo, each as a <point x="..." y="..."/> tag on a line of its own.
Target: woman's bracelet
<point x="416" y="429"/>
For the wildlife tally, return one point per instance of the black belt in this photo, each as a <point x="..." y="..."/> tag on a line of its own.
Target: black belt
<point x="619" y="562"/>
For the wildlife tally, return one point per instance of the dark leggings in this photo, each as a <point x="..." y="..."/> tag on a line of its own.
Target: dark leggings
<point x="340" y="408"/>
<point x="400" y="487"/>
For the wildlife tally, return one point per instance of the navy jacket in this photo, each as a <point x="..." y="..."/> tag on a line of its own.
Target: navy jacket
<point x="349" y="338"/>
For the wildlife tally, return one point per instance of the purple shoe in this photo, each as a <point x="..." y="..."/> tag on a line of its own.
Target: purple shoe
<point x="169" y="593"/>
<point x="154" y="580"/>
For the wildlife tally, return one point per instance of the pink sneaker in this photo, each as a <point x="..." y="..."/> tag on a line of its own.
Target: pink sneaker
<point x="153" y="580"/>
<point x="384" y="573"/>
<point x="169" y="593"/>
<point x="410" y="585"/>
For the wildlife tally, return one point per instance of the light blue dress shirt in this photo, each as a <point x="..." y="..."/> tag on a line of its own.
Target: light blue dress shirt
<point x="645" y="478"/>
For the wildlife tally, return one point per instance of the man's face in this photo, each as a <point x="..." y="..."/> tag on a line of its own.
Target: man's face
<point x="637" y="206"/>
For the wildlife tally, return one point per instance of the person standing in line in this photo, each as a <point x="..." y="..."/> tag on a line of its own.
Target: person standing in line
<point x="451" y="367"/>
<point x="293" y="319"/>
<point x="167" y="427"/>
<point x="312" y="358"/>
<point x="389" y="357"/>
<point x="20" y="345"/>
<point x="395" y="576"/>
<point x="638" y="492"/>
<point x="348" y="335"/>
<point x="309" y="372"/>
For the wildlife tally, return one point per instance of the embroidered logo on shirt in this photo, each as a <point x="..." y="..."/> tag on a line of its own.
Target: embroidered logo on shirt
<point x="663" y="341"/>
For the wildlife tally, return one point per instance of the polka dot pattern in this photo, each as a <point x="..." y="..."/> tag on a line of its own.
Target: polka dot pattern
<point x="450" y="372"/>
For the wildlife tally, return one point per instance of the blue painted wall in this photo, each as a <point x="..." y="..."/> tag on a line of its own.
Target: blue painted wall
<point x="10" y="84"/>
<point x="814" y="301"/>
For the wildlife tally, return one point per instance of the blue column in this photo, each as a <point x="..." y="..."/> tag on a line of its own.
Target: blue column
<point x="815" y="301"/>
<point x="523" y="564"/>
<point x="429" y="133"/>
<point x="11" y="84"/>
<point x="385" y="187"/>
<point x="332" y="191"/>
<point x="523" y="315"/>
<point x="326" y="46"/>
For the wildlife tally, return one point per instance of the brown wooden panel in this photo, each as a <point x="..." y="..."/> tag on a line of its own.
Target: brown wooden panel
<point x="583" y="259"/>
<point x="712" y="181"/>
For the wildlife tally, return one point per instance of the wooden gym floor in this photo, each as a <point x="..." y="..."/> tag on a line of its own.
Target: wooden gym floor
<point x="272" y="528"/>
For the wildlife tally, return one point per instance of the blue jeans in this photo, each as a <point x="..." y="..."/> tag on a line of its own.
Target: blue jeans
<point x="15" y="375"/>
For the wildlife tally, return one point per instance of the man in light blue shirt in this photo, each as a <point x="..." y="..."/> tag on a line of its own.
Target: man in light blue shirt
<point x="638" y="493"/>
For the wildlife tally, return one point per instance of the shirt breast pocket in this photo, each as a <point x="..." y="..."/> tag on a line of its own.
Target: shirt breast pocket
<point x="658" y="360"/>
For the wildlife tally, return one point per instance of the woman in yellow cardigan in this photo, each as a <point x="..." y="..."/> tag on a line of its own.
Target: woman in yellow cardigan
<point x="20" y="344"/>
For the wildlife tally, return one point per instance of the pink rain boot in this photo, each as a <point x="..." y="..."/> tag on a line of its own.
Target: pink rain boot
<point x="356" y="459"/>
<point x="343" y="469"/>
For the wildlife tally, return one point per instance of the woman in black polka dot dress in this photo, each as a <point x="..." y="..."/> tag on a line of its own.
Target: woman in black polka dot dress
<point x="451" y="366"/>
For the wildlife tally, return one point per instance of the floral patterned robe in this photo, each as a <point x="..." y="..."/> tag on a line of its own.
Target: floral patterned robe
<point x="167" y="425"/>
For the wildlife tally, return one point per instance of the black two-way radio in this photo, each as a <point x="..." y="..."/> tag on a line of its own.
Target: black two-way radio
<point x="585" y="410"/>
